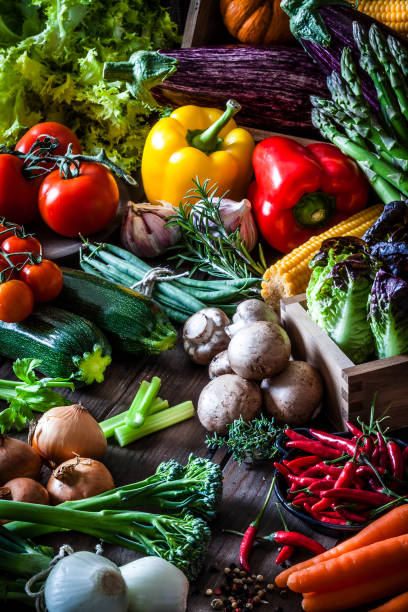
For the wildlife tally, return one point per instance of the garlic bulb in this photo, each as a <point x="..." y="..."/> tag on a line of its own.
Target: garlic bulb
<point x="85" y="582"/>
<point x="155" y="585"/>
<point x="234" y="214"/>
<point x="144" y="230"/>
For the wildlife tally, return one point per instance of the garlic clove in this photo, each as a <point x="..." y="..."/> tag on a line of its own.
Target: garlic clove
<point x="144" y="231"/>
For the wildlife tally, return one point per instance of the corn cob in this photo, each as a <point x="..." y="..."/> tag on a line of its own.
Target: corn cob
<point x="393" y="13"/>
<point x="290" y="275"/>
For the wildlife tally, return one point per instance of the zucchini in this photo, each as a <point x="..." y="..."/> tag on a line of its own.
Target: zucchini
<point x="66" y="344"/>
<point x="132" y="321"/>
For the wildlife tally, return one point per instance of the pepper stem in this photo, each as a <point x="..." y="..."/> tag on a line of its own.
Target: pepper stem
<point x="258" y="519"/>
<point x="208" y="140"/>
<point x="314" y="209"/>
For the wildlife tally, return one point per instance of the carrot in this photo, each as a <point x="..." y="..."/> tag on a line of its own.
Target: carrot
<point x="397" y="604"/>
<point x="390" y="525"/>
<point x="392" y="582"/>
<point x="352" y="567"/>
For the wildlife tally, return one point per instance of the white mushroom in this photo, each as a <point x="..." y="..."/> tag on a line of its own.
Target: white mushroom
<point x="204" y="334"/>
<point x="259" y="350"/>
<point x="250" y="311"/>
<point x="219" y="365"/>
<point x="294" y="396"/>
<point x="225" y="399"/>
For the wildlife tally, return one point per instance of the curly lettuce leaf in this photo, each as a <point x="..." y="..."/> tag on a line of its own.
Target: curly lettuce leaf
<point x="388" y="314"/>
<point x="51" y="69"/>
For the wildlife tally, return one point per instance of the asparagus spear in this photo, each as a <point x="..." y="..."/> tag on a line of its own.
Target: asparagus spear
<point x="400" y="54"/>
<point x="395" y="76"/>
<point x="388" y="102"/>
<point x="387" y="181"/>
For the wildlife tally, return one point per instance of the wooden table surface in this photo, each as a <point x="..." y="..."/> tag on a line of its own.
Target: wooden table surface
<point x="244" y="488"/>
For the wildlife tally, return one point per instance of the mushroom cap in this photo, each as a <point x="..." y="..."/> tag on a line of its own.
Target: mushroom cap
<point x="204" y="334"/>
<point x="225" y="399"/>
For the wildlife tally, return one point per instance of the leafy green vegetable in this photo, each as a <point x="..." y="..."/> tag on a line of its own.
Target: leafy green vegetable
<point x="30" y="394"/>
<point x="52" y="54"/>
<point x="255" y="440"/>
<point x="388" y="314"/>
<point x="337" y="301"/>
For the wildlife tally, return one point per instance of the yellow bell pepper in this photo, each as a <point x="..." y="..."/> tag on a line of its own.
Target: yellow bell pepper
<point x="197" y="142"/>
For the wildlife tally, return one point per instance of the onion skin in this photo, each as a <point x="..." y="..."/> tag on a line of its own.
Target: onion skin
<point x="17" y="459"/>
<point x="65" y="431"/>
<point x="78" y="478"/>
<point x="25" y="490"/>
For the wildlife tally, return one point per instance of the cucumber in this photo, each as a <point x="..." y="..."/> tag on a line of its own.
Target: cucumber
<point x="67" y="344"/>
<point x="132" y="321"/>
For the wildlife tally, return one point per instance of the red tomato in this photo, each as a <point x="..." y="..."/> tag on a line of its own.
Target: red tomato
<point x="50" y="128"/>
<point x="7" y="269"/>
<point x="15" y="244"/>
<point x="45" y="280"/>
<point x="18" y="195"/>
<point x="7" y="230"/>
<point x="16" y="301"/>
<point x="80" y="205"/>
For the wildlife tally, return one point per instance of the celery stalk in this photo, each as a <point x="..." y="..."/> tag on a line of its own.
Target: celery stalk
<point x="126" y="434"/>
<point x="108" y="426"/>
<point x="141" y="404"/>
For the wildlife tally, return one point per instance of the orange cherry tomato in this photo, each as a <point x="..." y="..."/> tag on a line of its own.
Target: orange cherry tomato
<point x="16" y="301"/>
<point x="45" y="279"/>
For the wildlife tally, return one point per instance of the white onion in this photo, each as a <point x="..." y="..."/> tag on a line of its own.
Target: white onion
<point x="155" y="585"/>
<point x="85" y="582"/>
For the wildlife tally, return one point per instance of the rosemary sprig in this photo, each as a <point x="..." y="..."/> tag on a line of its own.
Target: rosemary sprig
<point x="205" y="241"/>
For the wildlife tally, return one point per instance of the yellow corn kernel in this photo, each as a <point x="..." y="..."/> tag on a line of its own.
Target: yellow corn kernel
<point x="391" y="12"/>
<point x="290" y="274"/>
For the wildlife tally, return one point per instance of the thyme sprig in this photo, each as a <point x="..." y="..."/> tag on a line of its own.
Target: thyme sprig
<point x="254" y="440"/>
<point x="207" y="244"/>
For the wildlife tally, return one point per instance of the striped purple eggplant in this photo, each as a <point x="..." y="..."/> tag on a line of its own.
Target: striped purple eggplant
<point x="324" y="28"/>
<point x="272" y="84"/>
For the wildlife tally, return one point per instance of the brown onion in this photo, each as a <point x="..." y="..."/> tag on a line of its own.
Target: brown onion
<point x="17" y="458"/>
<point x="78" y="478"/>
<point x="25" y="490"/>
<point x="65" y="431"/>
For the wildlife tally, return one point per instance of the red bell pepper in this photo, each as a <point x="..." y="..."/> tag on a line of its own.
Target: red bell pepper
<point x="300" y="191"/>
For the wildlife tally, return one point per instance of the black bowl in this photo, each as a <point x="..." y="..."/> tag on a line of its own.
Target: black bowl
<point x="335" y="531"/>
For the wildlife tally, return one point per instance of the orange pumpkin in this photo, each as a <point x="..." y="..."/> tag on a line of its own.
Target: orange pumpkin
<point x="256" y="22"/>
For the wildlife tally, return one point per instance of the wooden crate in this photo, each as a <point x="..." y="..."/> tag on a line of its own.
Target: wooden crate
<point x="204" y="25"/>
<point x="350" y="388"/>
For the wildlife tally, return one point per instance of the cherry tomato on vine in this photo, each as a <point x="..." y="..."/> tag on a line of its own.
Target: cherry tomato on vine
<point x="80" y="205"/>
<point x="15" y="244"/>
<point x="16" y="301"/>
<point x="18" y="194"/>
<point x="50" y="128"/>
<point x="44" y="279"/>
<point x="7" y="271"/>
<point x="7" y="230"/>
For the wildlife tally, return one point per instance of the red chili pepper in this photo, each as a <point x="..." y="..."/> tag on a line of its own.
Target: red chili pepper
<point x="283" y="470"/>
<point x="322" y="504"/>
<point x="298" y="465"/>
<point x="396" y="460"/>
<point x="331" y="470"/>
<point x="368" y="446"/>
<point x="346" y="477"/>
<point x="367" y="471"/>
<point x="300" y="191"/>
<point x="375" y="456"/>
<point x="324" y="519"/>
<point x="405" y="454"/>
<point x="331" y="513"/>
<point x="358" y="482"/>
<point x="321" y="485"/>
<point x="294" y="435"/>
<point x="284" y="554"/>
<point x="301" y="481"/>
<point x="293" y="538"/>
<point x="382" y="449"/>
<point x="312" y="471"/>
<point x="373" y="498"/>
<point x="335" y="441"/>
<point x="354" y="430"/>
<point x="303" y="498"/>
<point x="316" y="448"/>
<point x="351" y="516"/>
<point x="251" y="532"/>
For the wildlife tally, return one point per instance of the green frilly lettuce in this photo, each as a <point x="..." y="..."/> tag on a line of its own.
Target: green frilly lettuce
<point x="52" y="54"/>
